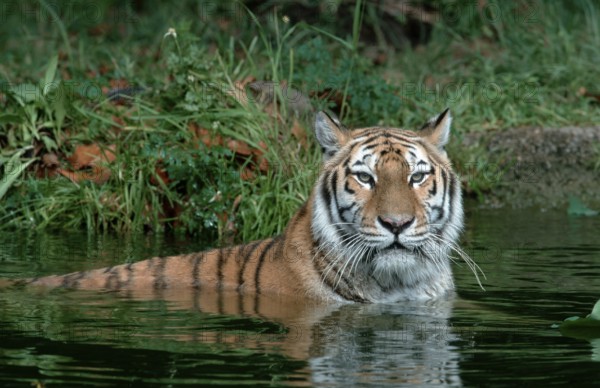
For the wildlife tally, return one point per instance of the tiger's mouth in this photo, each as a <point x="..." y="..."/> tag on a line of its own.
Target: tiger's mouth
<point x="395" y="246"/>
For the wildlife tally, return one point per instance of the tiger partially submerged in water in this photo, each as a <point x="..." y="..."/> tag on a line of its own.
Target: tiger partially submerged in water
<point x="379" y="226"/>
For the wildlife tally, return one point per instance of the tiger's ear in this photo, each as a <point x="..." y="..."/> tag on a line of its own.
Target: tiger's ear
<point x="437" y="129"/>
<point x="330" y="134"/>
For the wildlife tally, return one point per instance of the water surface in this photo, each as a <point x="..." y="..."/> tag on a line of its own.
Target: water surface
<point x="541" y="267"/>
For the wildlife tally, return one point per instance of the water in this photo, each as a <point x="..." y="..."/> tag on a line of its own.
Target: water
<point x="540" y="267"/>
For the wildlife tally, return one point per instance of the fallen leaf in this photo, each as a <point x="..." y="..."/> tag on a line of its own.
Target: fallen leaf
<point x="90" y="155"/>
<point x="247" y="174"/>
<point x="204" y="135"/>
<point x="240" y="147"/>
<point x="88" y="163"/>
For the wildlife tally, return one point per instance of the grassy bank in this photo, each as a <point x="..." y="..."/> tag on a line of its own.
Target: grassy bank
<point x="196" y="116"/>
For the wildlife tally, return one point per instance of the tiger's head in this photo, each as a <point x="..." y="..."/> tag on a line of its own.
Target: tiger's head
<point x="387" y="207"/>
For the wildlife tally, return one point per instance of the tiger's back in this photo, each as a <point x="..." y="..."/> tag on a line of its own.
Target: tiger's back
<point x="378" y="227"/>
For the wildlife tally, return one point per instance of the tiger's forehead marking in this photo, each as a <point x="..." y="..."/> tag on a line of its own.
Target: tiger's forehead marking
<point x="377" y="147"/>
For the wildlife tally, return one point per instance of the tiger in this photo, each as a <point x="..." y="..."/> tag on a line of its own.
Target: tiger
<point x="379" y="226"/>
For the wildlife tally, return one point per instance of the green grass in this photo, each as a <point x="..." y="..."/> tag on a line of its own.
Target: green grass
<point x="511" y="64"/>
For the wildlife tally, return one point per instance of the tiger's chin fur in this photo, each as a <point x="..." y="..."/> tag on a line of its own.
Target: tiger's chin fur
<point x="379" y="226"/>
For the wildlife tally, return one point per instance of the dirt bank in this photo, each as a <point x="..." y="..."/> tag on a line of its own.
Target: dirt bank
<point x="542" y="166"/>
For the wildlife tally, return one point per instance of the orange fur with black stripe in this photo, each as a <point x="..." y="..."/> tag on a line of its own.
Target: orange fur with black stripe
<point x="378" y="227"/>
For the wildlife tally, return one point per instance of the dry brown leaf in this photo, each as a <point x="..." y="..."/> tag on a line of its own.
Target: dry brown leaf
<point x="204" y="135"/>
<point x="247" y="174"/>
<point x="88" y="163"/>
<point x="241" y="148"/>
<point x="90" y="155"/>
<point x="96" y="174"/>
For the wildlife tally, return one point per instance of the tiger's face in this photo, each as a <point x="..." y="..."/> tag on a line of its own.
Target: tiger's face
<point x="388" y="199"/>
<point x="390" y="188"/>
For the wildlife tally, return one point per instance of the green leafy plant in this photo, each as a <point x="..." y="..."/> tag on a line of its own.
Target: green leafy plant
<point x="583" y="328"/>
<point x="578" y="208"/>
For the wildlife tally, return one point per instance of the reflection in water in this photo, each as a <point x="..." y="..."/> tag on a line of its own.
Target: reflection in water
<point x="540" y="267"/>
<point x="595" y="349"/>
<point x="385" y="344"/>
<point x="345" y="345"/>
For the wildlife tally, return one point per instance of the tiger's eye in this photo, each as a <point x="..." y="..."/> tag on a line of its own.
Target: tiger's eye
<point x="417" y="177"/>
<point x="364" y="177"/>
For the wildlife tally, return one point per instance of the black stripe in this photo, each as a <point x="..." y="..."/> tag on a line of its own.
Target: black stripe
<point x="370" y="147"/>
<point x="316" y="265"/>
<point x="261" y="260"/>
<point x="347" y="172"/>
<point x="440" y="211"/>
<point x="451" y="188"/>
<point x="348" y="189"/>
<point x="196" y="270"/>
<point x="348" y="208"/>
<point x="343" y="288"/>
<point x="376" y="141"/>
<point x="389" y="135"/>
<point x="433" y="190"/>
<point x="447" y="186"/>
<point x="159" y="273"/>
<point x="347" y="160"/>
<point x="229" y="252"/>
<point x="334" y="180"/>
<point x="246" y="256"/>
<point x="112" y="281"/>
<point x="346" y="291"/>
<point x="220" y="269"/>
<point x="325" y="191"/>
<point x="129" y="274"/>
<point x="220" y="263"/>
<point x="72" y="280"/>
<point x="344" y="209"/>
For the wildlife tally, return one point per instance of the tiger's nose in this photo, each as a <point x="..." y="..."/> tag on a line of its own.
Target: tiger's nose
<point x="396" y="224"/>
